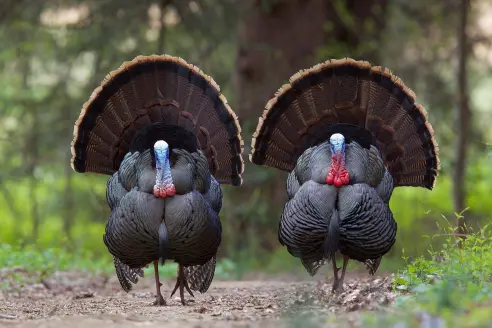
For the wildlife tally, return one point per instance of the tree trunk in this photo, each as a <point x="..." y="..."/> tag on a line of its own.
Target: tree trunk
<point x="278" y="38"/>
<point x="68" y="204"/>
<point x="162" y="31"/>
<point x="31" y="148"/>
<point x="462" y="119"/>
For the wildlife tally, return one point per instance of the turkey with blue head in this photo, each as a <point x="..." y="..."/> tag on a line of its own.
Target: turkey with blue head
<point x="166" y="135"/>
<point x="347" y="133"/>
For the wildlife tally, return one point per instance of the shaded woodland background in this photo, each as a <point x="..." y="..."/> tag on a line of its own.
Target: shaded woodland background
<point x="54" y="53"/>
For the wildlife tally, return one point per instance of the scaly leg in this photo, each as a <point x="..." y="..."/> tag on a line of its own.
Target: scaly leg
<point x="335" y="271"/>
<point x="182" y="284"/>
<point x="338" y="283"/>
<point x="159" y="299"/>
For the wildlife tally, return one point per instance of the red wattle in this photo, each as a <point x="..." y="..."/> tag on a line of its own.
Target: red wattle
<point x="170" y="190"/>
<point x="344" y="176"/>
<point x="166" y="191"/>
<point x="338" y="174"/>
<point x="163" y="193"/>
<point x="330" y="178"/>
<point x="157" y="191"/>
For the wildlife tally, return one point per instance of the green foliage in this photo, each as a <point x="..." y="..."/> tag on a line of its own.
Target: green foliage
<point x="469" y="264"/>
<point x="28" y="264"/>
<point x="31" y="259"/>
<point x="453" y="283"/>
<point x="22" y="265"/>
<point x="417" y="211"/>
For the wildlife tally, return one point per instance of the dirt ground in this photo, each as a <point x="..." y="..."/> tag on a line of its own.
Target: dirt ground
<point x="69" y="299"/>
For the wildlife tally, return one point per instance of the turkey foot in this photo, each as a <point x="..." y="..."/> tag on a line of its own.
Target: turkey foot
<point x="182" y="284"/>
<point x="338" y="282"/>
<point x="159" y="299"/>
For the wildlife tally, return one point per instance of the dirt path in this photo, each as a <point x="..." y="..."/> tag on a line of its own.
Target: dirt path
<point x="71" y="300"/>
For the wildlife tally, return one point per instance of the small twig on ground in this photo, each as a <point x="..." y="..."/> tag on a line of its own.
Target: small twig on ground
<point x="84" y="294"/>
<point x="7" y="316"/>
<point x="46" y="284"/>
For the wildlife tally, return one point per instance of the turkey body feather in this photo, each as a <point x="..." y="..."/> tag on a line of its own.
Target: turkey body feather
<point x="194" y="228"/>
<point x="166" y="135"/>
<point x="348" y="133"/>
<point x="320" y="219"/>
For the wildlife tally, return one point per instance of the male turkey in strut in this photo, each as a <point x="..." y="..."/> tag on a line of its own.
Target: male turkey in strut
<point x="165" y="133"/>
<point x="348" y="133"/>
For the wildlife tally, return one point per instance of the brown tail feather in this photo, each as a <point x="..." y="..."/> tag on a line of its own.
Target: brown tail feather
<point x="372" y="265"/>
<point x="164" y="90"/>
<point x="126" y="275"/>
<point x="303" y="112"/>
<point x="200" y="277"/>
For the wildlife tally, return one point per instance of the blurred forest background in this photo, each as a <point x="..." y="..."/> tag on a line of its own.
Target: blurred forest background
<point x="54" y="53"/>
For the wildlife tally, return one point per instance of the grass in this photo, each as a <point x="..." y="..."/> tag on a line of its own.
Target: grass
<point x="451" y="286"/>
<point x="32" y="259"/>
<point x="35" y="264"/>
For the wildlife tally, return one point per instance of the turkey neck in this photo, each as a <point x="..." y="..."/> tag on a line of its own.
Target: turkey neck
<point x="163" y="168"/>
<point x="337" y="175"/>
<point x="164" y="185"/>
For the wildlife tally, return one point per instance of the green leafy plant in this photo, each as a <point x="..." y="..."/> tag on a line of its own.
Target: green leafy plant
<point x="452" y="283"/>
<point x="472" y="262"/>
<point x="27" y="264"/>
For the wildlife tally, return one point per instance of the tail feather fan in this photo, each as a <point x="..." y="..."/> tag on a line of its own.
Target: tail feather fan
<point x="366" y="103"/>
<point x="157" y="97"/>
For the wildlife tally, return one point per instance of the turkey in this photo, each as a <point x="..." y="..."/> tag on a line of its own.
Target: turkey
<point x="166" y="135"/>
<point x="347" y="133"/>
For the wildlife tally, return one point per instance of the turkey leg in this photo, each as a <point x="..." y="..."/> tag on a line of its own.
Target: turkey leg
<point x="335" y="271"/>
<point x="159" y="299"/>
<point x="338" y="282"/>
<point x="182" y="284"/>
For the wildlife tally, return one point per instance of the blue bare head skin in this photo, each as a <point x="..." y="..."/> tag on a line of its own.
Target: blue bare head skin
<point x="337" y="143"/>
<point x="161" y="151"/>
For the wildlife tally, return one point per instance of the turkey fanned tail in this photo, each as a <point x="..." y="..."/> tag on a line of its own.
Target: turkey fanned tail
<point x="364" y="103"/>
